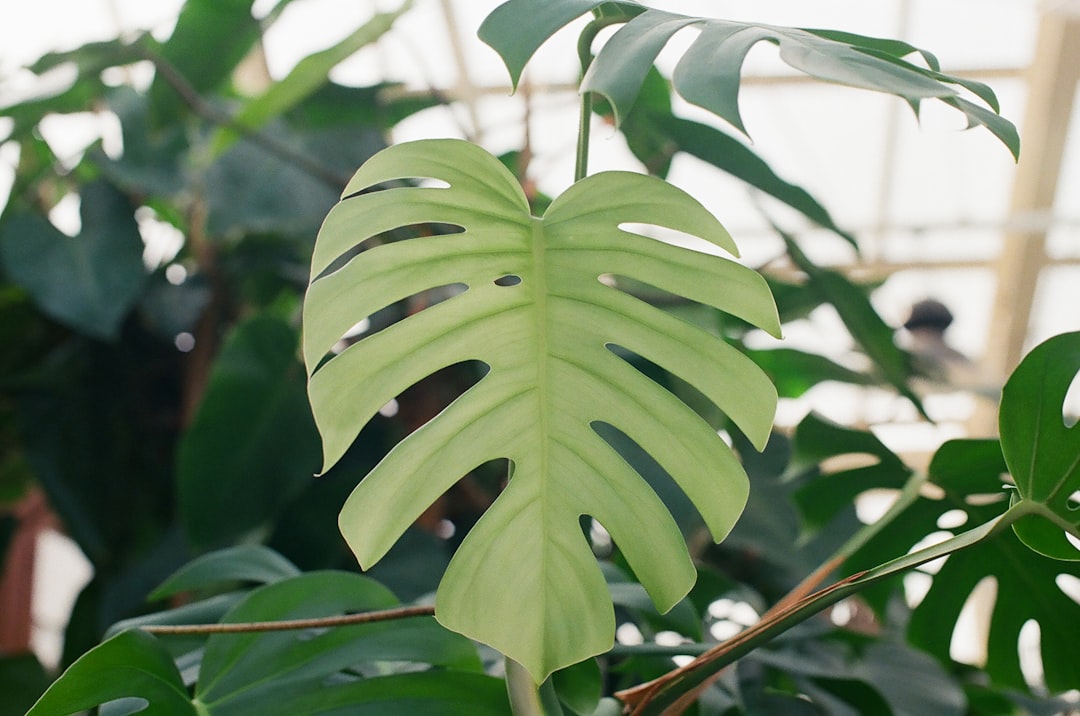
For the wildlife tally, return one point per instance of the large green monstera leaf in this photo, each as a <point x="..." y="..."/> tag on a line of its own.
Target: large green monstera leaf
<point x="525" y="580"/>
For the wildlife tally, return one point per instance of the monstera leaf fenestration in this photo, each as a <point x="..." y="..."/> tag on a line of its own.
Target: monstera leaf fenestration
<point x="525" y="580"/>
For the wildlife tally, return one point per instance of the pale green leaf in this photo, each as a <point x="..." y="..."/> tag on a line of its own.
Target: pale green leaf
<point x="524" y="580"/>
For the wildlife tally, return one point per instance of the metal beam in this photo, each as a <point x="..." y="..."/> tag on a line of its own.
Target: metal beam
<point x="1053" y="76"/>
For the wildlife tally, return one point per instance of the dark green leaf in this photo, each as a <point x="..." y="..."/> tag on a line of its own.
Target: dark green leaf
<point x="872" y="334"/>
<point x="1043" y="453"/>
<point x="517" y="28"/>
<point x="252" y="444"/>
<point x="311" y="73"/>
<point x="88" y="282"/>
<point x="822" y="495"/>
<point x="259" y="671"/>
<point x="709" y="72"/>
<point x="969" y="473"/>
<point x="227" y="26"/>
<point x="793" y="372"/>
<point x="132" y="664"/>
<point x="22" y="681"/>
<point x="732" y="156"/>
<point x="579" y="687"/>
<point x="243" y="563"/>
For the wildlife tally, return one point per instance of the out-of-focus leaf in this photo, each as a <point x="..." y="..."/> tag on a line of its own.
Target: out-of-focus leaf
<point x="889" y="669"/>
<point x="579" y="687"/>
<point x="251" y="672"/>
<point x="243" y="563"/>
<point x="130" y="664"/>
<point x="732" y="156"/>
<point x="550" y="323"/>
<point x="793" y="372"/>
<point x="88" y="282"/>
<point x="309" y="74"/>
<point x="252" y="444"/>
<point x="227" y="27"/>
<point x="1043" y="453"/>
<point x="868" y="329"/>
<point x="22" y="681"/>
<point x="287" y="199"/>
<point x="969" y="473"/>
<point x="153" y="160"/>
<point x="863" y="463"/>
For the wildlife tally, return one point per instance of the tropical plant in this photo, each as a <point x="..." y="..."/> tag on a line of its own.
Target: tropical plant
<point x="556" y="387"/>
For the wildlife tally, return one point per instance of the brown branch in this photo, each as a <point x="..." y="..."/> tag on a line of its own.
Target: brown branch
<point x="290" y="624"/>
<point x="209" y="112"/>
<point x="638" y="697"/>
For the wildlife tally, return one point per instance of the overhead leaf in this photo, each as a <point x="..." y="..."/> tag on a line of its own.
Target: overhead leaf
<point x="88" y="282"/>
<point x="248" y="563"/>
<point x="131" y="664"/>
<point x="305" y="78"/>
<point x="708" y="74"/>
<point x="1043" y="453"/>
<point x="252" y="435"/>
<point x="711" y="145"/>
<point x="969" y="474"/>
<point x="546" y="337"/>
<point x="516" y="29"/>
<point x="227" y="26"/>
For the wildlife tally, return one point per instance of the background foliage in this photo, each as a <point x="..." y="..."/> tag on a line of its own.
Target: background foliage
<point x="160" y="406"/>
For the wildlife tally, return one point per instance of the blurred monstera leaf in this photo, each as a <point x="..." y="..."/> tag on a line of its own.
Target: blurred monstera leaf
<point x="537" y="312"/>
<point x="373" y="668"/>
<point x="708" y="73"/>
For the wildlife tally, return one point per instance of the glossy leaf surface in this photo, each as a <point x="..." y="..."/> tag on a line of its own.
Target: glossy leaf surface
<point x="1042" y="451"/>
<point x="525" y="580"/>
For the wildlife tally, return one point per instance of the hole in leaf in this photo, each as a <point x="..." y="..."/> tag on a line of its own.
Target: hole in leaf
<point x="1072" y="540"/>
<point x="985" y="498"/>
<point x="674" y="237"/>
<point x="1029" y="646"/>
<point x="916" y="585"/>
<point x="929" y="540"/>
<point x="1070" y="585"/>
<point x="968" y="644"/>
<point x="394" y="235"/>
<point x="871" y="506"/>
<point x="952" y="519"/>
<point x="1070" y="407"/>
<point x="508" y="280"/>
<point x="1073" y="501"/>
<point x="628" y="633"/>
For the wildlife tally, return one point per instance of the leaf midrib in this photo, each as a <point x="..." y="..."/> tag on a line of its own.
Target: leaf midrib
<point x="543" y="408"/>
